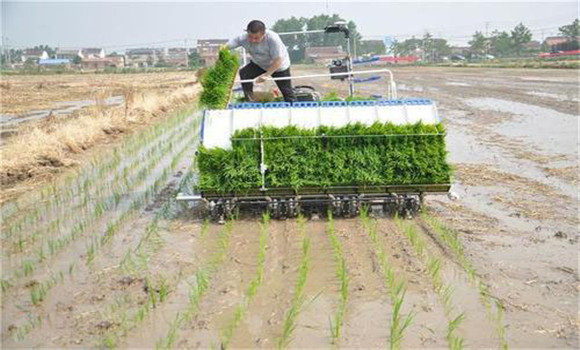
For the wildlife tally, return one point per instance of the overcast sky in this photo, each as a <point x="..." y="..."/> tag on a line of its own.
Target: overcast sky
<point x="116" y="25"/>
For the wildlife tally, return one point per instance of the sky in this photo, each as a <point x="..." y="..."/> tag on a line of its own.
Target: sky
<point x="115" y="25"/>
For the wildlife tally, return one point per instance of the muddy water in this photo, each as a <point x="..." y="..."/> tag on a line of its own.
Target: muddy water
<point x="61" y="108"/>
<point x="228" y="288"/>
<point x="478" y="328"/>
<point x="545" y="129"/>
<point x="428" y="326"/>
<point x="368" y="312"/>
<point x="321" y="291"/>
<point x="82" y="280"/>
<point x="200" y="248"/>
<point x="262" y="325"/>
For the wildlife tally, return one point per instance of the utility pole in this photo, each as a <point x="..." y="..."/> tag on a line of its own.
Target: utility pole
<point x="486" y="41"/>
<point x="2" y="50"/>
<point x="8" y="50"/>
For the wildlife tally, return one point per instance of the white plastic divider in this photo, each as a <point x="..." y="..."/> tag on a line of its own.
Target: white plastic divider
<point x="220" y="125"/>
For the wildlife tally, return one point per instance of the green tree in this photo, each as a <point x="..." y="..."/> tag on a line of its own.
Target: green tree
<point x="49" y="50"/>
<point x="427" y="46"/>
<point x="520" y="36"/>
<point x="501" y="44"/>
<point x="406" y="47"/>
<point x="298" y="43"/>
<point x="440" y="48"/>
<point x="150" y="61"/>
<point x="77" y="59"/>
<point x="374" y="47"/>
<point x="478" y="43"/>
<point x="571" y="31"/>
<point x="433" y="48"/>
<point x="295" y="43"/>
<point x="194" y="59"/>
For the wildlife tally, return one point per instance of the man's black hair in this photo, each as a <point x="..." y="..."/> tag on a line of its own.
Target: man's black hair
<point x="256" y="26"/>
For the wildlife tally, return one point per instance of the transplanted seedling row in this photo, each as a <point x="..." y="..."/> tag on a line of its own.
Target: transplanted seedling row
<point x="86" y="218"/>
<point x="199" y="284"/>
<point x="60" y="195"/>
<point x="104" y="198"/>
<point x="142" y="198"/>
<point x="227" y="331"/>
<point x="342" y="274"/>
<point x="395" y="284"/>
<point x="39" y="291"/>
<point x="77" y="188"/>
<point x="433" y="267"/>
<point x="450" y="239"/>
<point x="299" y="298"/>
<point x="136" y="262"/>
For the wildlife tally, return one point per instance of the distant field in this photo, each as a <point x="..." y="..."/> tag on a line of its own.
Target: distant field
<point x="24" y="93"/>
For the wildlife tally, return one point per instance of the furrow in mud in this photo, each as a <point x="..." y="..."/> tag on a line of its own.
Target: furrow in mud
<point x="227" y="290"/>
<point x="80" y="223"/>
<point x="202" y="243"/>
<point x="262" y="324"/>
<point x="64" y="194"/>
<point x="321" y="292"/>
<point x="81" y="273"/>
<point x="368" y="313"/>
<point x="428" y="326"/>
<point x="477" y="328"/>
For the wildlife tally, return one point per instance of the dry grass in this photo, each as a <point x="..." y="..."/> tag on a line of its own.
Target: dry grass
<point x="569" y="174"/>
<point x="45" y="148"/>
<point x="24" y="93"/>
<point x="528" y="197"/>
<point x="488" y="175"/>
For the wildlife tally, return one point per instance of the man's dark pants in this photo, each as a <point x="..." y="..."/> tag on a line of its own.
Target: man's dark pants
<point x="252" y="70"/>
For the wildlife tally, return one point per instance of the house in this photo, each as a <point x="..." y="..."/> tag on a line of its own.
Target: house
<point x="70" y="54"/>
<point x="561" y="43"/>
<point x="92" y="53"/>
<point x="461" y="50"/>
<point x="552" y="41"/>
<point x="33" y="55"/>
<point x="176" y="57"/>
<point x="321" y="54"/>
<point x="532" y="45"/>
<point x="102" y="63"/>
<point x="54" y="63"/>
<point x="141" y="57"/>
<point x="208" y="50"/>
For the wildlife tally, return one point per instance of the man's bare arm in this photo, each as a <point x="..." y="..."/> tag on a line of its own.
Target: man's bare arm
<point x="273" y="67"/>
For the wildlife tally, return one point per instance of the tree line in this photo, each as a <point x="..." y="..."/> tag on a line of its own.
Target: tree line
<point x="499" y="44"/>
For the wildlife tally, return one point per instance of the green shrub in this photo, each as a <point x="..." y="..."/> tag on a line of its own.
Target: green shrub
<point x="391" y="158"/>
<point x="217" y="81"/>
<point x="333" y="96"/>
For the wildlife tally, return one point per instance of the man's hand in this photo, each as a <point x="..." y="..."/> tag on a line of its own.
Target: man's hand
<point x="262" y="78"/>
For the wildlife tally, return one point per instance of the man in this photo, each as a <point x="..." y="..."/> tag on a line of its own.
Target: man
<point x="269" y="59"/>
